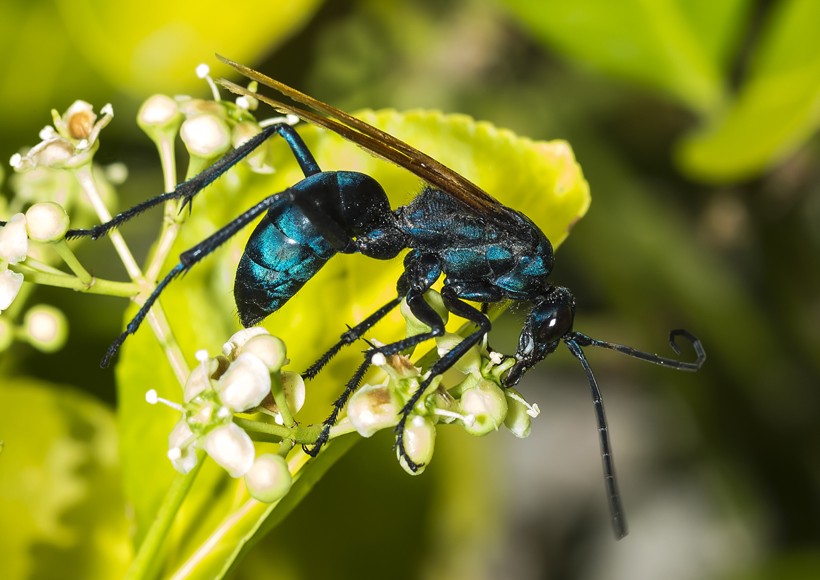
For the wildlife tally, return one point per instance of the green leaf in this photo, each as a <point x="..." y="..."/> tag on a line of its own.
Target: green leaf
<point x="60" y="504"/>
<point x="541" y="179"/>
<point x="155" y="43"/>
<point x="678" y="47"/>
<point x="777" y="108"/>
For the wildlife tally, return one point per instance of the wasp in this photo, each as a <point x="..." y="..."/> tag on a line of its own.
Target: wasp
<point x="483" y="251"/>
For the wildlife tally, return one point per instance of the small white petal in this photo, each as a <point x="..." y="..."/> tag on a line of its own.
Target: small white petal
<point x="200" y="378"/>
<point x="158" y="111"/>
<point x="231" y="448"/>
<point x="269" y="349"/>
<point x="182" y="447"/>
<point x="245" y="384"/>
<point x="486" y="401"/>
<point x="294" y="387"/>
<point x="419" y="443"/>
<point x="14" y="239"/>
<point x="373" y="407"/>
<point x="205" y="135"/>
<point x="236" y="341"/>
<point x="10" y="283"/>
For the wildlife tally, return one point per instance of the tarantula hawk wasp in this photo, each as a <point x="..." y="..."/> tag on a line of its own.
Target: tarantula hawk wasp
<point x="485" y="252"/>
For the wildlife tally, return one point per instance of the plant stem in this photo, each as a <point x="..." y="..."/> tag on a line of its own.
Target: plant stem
<point x="63" y="280"/>
<point x="146" y="563"/>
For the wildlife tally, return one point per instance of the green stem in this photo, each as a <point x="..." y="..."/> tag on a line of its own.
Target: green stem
<point x="301" y="435"/>
<point x="73" y="263"/>
<point x="148" y="560"/>
<point x="62" y="280"/>
<point x="279" y="398"/>
<point x="85" y="177"/>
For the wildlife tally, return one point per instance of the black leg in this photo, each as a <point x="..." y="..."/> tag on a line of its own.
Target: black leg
<point x="188" y="189"/>
<point x="613" y="495"/>
<point x="190" y="257"/>
<point x="420" y="309"/>
<point x="464" y="310"/>
<point x="351" y="336"/>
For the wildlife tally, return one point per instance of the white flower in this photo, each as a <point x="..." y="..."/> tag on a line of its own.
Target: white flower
<point x="231" y="448"/>
<point x="269" y="478"/>
<point x="245" y="384"/>
<point x="14" y="240"/>
<point x="70" y="143"/>
<point x="487" y="404"/>
<point x="205" y="135"/>
<point x="10" y="283"/>
<point x="419" y="442"/>
<point x="46" y="222"/>
<point x="182" y="447"/>
<point x="372" y="408"/>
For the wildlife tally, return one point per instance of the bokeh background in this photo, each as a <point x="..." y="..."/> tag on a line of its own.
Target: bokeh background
<point x="695" y="124"/>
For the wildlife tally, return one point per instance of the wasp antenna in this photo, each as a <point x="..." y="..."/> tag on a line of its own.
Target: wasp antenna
<point x="613" y="495"/>
<point x="584" y="340"/>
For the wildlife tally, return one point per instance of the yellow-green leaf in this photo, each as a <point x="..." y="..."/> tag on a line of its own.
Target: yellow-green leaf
<point x="777" y="108"/>
<point x="60" y="502"/>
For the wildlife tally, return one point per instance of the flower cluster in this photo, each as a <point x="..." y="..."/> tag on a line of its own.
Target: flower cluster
<point x="43" y="223"/>
<point x="240" y="380"/>
<point x="208" y="128"/>
<point x="476" y="401"/>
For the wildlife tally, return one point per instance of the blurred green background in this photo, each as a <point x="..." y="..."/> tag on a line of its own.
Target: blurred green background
<point x="695" y="124"/>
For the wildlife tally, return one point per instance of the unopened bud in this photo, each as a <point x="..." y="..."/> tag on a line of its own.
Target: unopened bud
<point x="205" y="136"/>
<point x="46" y="328"/>
<point x="487" y="404"/>
<point x="46" y="222"/>
<point x="231" y="448"/>
<point x="245" y="384"/>
<point x="372" y="408"/>
<point x="419" y="443"/>
<point x="269" y="479"/>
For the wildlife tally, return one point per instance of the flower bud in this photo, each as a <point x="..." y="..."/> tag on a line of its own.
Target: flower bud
<point x="519" y="414"/>
<point x="46" y="328"/>
<point x="244" y="384"/>
<point x="293" y="386"/>
<point x="269" y="479"/>
<point x="14" y="240"/>
<point x="486" y="403"/>
<point x="205" y="136"/>
<point x="230" y="349"/>
<point x="269" y="349"/>
<point x="159" y="112"/>
<point x="10" y="283"/>
<point x="419" y="443"/>
<point x="373" y="407"/>
<point x="231" y="448"/>
<point x="46" y="222"/>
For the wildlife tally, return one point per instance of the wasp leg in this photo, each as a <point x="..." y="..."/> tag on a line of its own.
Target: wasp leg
<point x="464" y="310"/>
<point x="419" y="275"/>
<point x="190" y="188"/>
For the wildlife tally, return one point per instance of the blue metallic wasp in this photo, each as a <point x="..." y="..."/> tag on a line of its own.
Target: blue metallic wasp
<point x="484" y="251"/>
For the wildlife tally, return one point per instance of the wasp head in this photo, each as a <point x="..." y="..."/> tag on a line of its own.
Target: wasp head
<point x="549" y="321"/>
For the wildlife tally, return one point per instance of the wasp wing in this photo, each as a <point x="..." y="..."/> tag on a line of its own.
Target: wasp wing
<point x="373" y="140"/>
